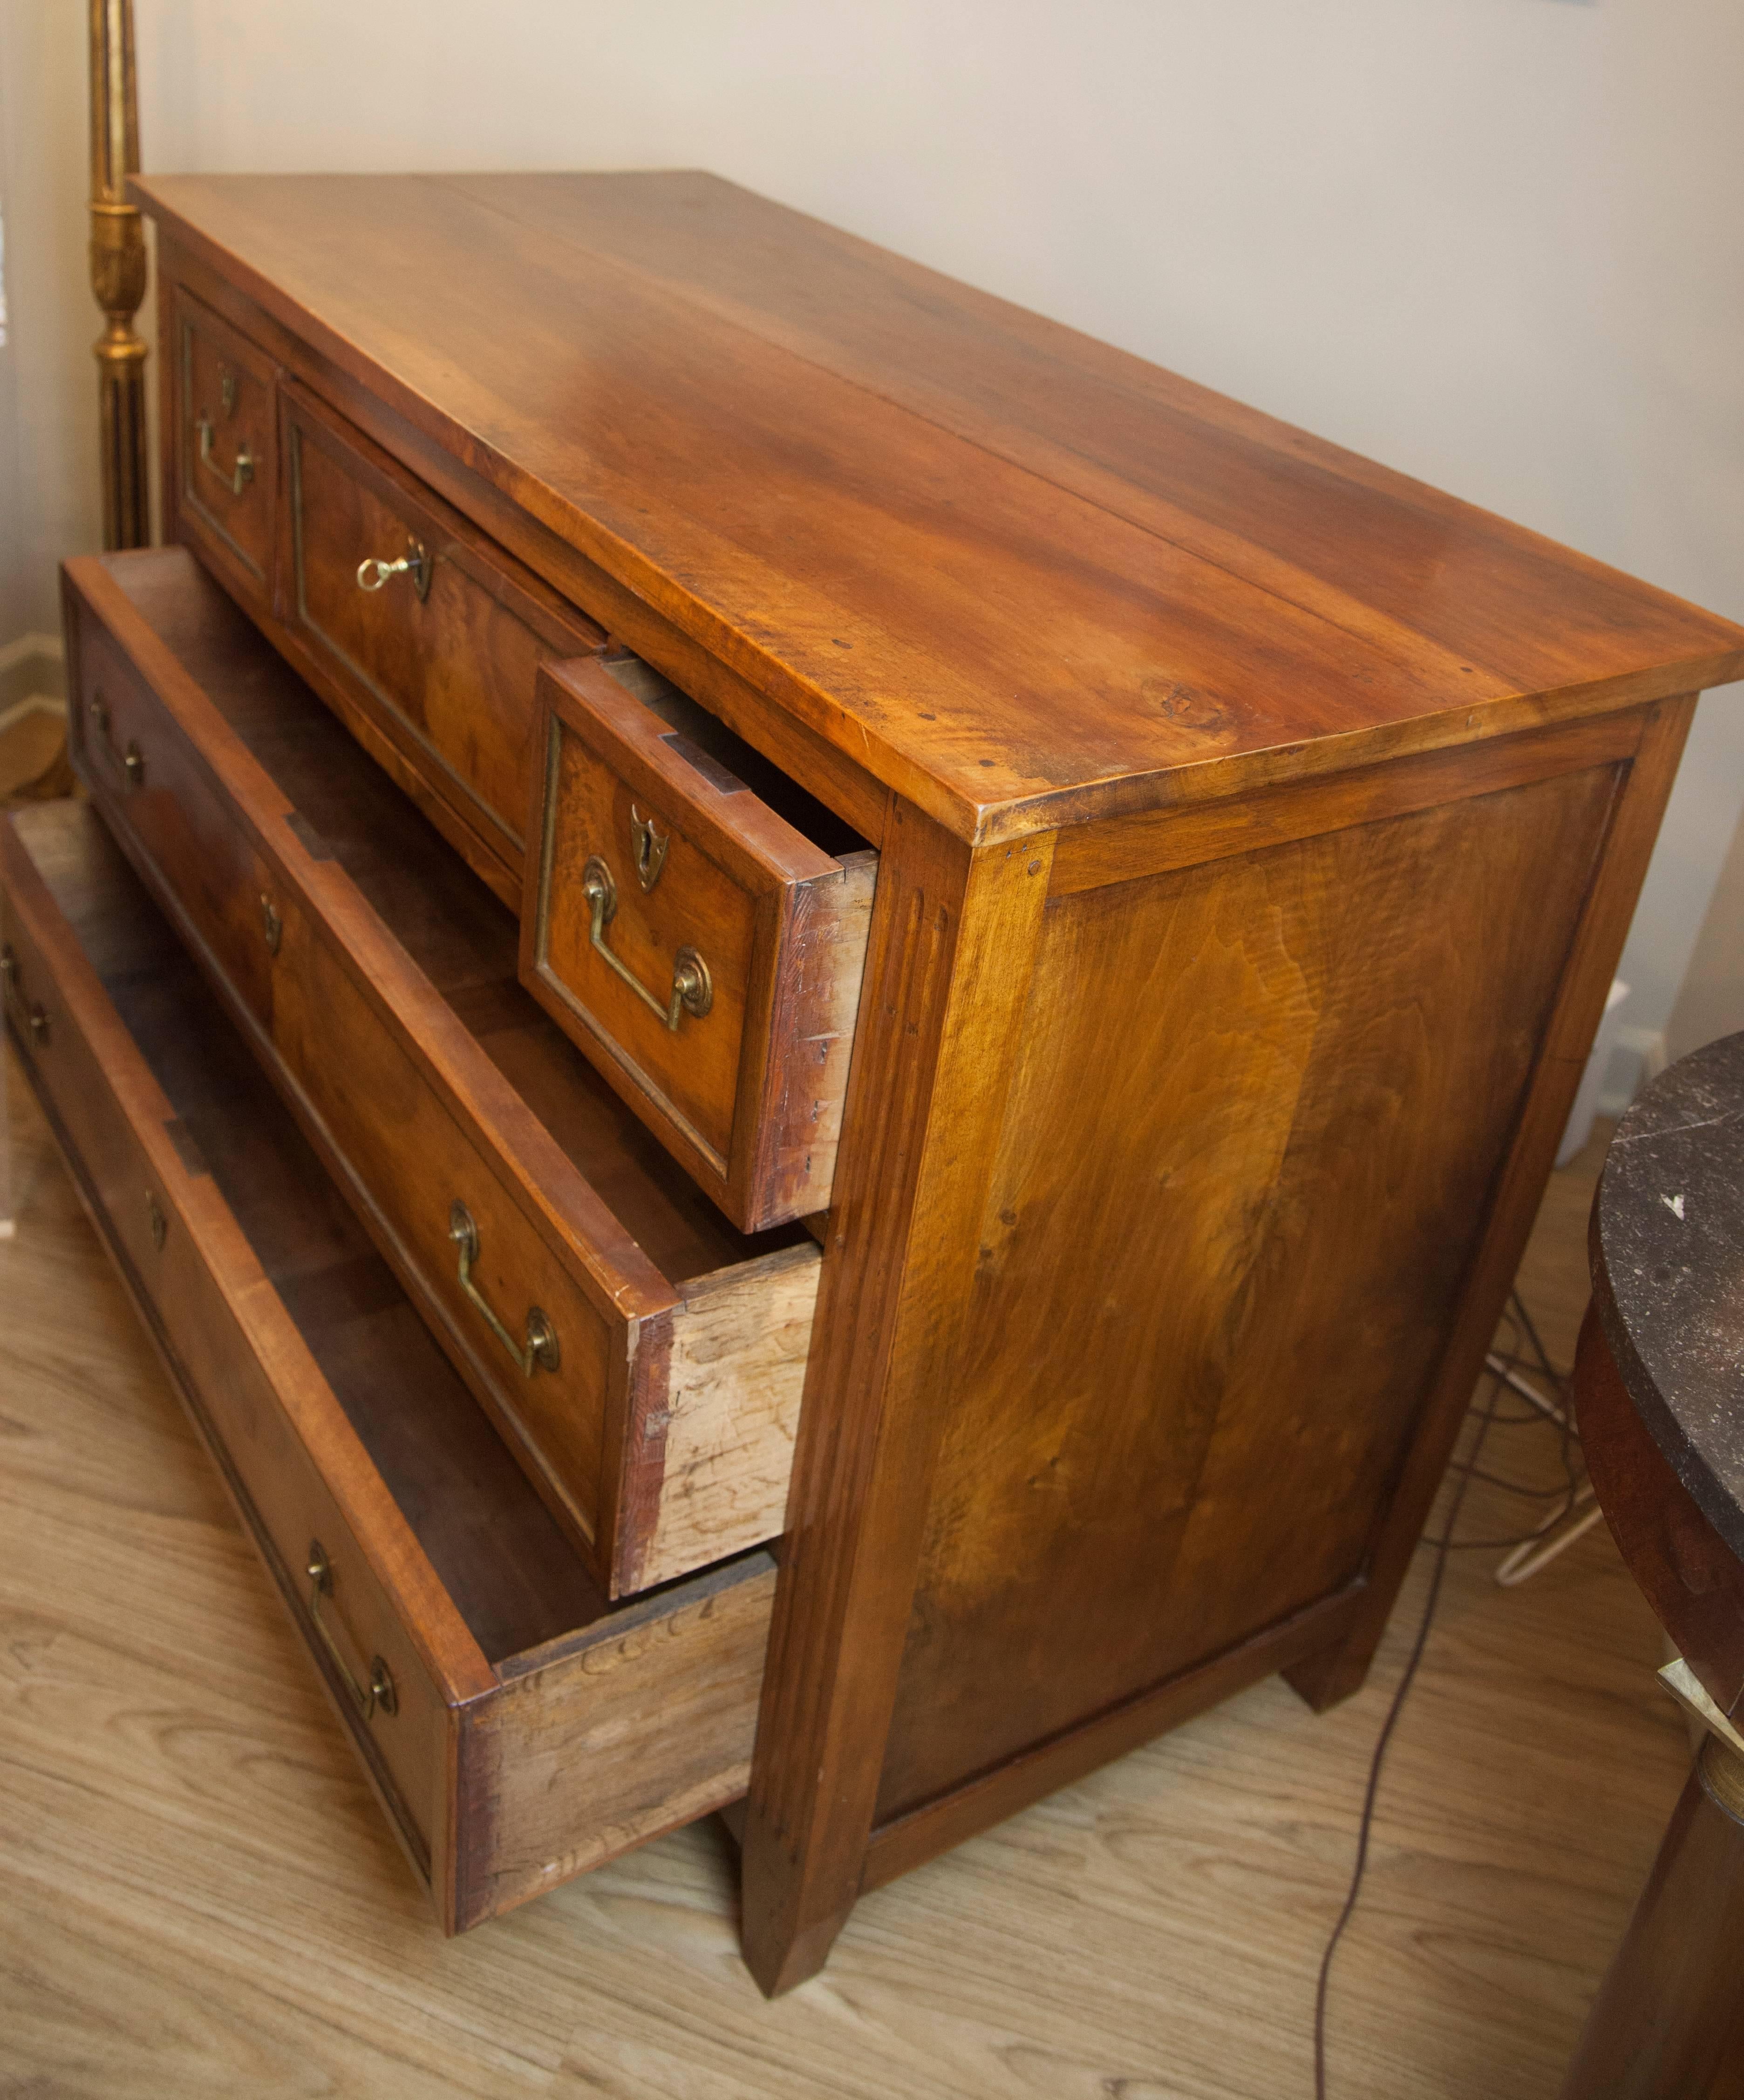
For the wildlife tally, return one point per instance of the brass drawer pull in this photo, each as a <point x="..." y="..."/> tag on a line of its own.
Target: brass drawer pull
<point x="416" y="563"/>
<point x="272" y="925"/>
<point x="541" y="1352"/>
<point x="380" y="1692"/>
<point x="235" y="479"/>
<point x="129" y="765"/>
<point x="29" y="1018"/>
<point x="692" y="987"/>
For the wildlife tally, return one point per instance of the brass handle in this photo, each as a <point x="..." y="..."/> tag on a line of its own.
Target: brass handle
<point x="272" y="925"/>
<point x="692" y="987"/>
<point x="235" y="479"/>
<point x="379" y="1690"/>
<point x="128" y="765"/>
<point x="416" y="562"/>
<point x="541" y="1352"/>
<point x="27" y="1017"/>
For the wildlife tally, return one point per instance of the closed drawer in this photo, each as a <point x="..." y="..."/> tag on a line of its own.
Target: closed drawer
<point x="701" y="938"/>
<point x="224" y="447"/>
<point x="642" y="1359"/>
<point x="425" y="634"/>
<point x="518" y="1728"/>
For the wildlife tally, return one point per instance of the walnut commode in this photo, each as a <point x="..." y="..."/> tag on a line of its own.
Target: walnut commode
<point x="820" y="1024"/>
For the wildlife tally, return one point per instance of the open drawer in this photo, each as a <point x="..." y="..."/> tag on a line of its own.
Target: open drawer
<point x="643" y="1359"/>
<point x="697" y="923"/>
<point x="518" y="1728"/>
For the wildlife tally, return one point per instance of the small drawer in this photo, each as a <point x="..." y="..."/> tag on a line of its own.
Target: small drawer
<point x="516" y="1728"/>
<point x="643" y="1360"/>
<point x="697" y="924"/>
<point x="424" y="634"/>
<point x="225" y="448"/>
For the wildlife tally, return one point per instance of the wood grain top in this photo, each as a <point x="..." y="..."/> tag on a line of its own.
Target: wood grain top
<point x="1019" y="576"/>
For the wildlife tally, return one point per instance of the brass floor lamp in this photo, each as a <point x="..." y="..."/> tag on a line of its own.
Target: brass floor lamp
<point x="33" y="763"/>
<point x="117" y="278"/>
<point x="117" y="274"/>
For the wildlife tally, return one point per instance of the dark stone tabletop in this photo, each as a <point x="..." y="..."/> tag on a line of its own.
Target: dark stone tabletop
<point x="1668" y="1250"/>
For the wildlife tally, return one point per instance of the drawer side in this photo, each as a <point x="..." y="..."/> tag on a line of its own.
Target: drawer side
<point x="712" y="1447"/>
<point x="702" y="951"/>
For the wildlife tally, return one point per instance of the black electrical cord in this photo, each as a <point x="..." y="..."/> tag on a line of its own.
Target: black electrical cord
<point x="1444" y="1547"/>
<point x="1516" y="1486"/>
<point x="1366" y="1822"/>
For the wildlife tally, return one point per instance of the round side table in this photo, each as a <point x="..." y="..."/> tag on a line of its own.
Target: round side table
<point x="1659" y="1400"/>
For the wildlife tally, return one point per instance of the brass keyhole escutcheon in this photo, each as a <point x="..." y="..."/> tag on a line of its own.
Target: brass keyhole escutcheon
<point x="28" y="1017"/>
<point x="272" y="925"/>
<point x="128" y="765"/>
<point x="649" y="848"/>
<point x="379" y="1694"/>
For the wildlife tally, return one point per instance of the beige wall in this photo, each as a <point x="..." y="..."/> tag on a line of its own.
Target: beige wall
<point x="49" y="500"/>
<point x="1492" y="242"/>
<point x="1710" y="1002"/>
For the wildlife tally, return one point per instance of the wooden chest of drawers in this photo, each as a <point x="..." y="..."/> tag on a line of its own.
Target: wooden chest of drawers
<point x="930" y="949"/>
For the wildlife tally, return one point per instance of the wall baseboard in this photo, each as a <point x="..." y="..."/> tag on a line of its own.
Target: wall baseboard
<point x="32" y="668"/>
<point x="34" y="703"/>
<point x="1637" y="1061"/>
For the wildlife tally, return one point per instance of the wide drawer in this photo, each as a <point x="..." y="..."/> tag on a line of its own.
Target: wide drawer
<point x="518" y="1728"/>
<point x="644" y="1360"/>
<point x="697" y="924"/>
<point x="425" y="635"/>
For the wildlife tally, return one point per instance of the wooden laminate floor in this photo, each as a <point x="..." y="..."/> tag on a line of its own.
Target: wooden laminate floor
<point x="199" y="1899"/>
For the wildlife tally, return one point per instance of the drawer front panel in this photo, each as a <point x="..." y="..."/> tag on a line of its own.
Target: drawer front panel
<point x="366" y="1654"/>
<point x="226" y="447"/>
<point x="70" y="1079"/>
<point x="702" y="952"/>
<point x="694" y="912"/>
<point x="412" y="1163"/>
<point x="159" y="1219"/>
<point x="437" y="634"/>
<point x="145" y="773"/>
